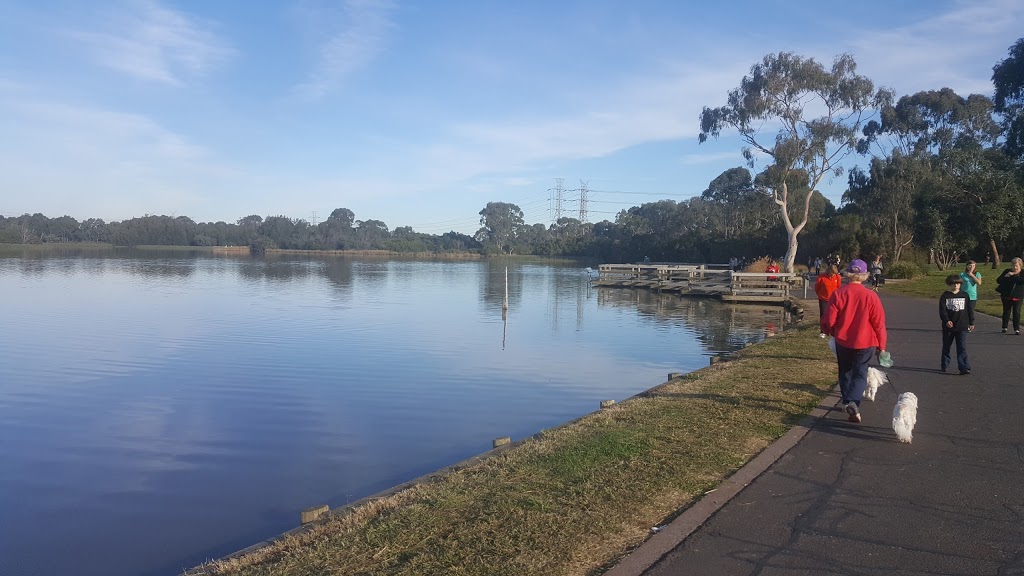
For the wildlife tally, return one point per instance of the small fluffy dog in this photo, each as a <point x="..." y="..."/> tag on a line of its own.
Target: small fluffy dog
<point x="904" y="416"/>
<point x="876" y="378"/>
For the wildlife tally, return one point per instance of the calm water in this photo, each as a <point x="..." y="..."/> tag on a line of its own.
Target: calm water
<point x="159" y="409"/>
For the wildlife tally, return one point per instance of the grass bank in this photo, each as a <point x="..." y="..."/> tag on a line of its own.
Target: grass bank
<point x="575" y="499"/>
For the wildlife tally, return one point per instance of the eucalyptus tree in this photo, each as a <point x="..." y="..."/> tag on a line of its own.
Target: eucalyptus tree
<point x="372" y="234"/>
<point x="944" y="143"/>
<point x="801" y="115"/>
<point x="885" y="198"/>
<point x="744" y="207"/>
<point x="336" y="231"/>
<point x="501" y="222"/>
<point x="1008" y="78"/>
<point x="653" y="229"/>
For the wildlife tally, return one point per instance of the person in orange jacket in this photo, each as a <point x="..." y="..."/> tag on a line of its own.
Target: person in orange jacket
<point x="826" y="284"/>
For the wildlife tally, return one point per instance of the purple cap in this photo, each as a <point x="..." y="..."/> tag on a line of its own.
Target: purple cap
<point x="857" y="267"/>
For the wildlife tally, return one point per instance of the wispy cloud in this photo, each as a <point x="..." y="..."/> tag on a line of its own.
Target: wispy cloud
<point x="955" y="48"/>
<point x="362" y="35"/>
<point x="150" y="42"/>
<point x="714" y="158"/>
<point x="128" y="163"/>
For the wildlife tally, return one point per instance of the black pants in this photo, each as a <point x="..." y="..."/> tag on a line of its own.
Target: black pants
<point x="960" y="337"/>
<point x="822" y="304"/>
<point x="1014" y="305"/>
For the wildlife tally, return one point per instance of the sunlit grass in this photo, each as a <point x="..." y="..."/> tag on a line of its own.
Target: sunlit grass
<point x="934" y="284"/>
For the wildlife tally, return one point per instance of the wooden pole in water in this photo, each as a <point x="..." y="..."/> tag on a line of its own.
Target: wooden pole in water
<point x="504" y="303"/>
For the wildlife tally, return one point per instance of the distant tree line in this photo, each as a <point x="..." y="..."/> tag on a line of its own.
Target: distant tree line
<point x="340" y="231"/>
<point x="944" y="179"/>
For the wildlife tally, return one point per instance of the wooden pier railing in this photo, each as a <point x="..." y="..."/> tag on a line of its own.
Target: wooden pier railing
<point x="715" y="281"/>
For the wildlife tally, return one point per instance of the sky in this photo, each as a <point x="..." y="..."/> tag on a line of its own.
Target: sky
<point x="415" y="112"/>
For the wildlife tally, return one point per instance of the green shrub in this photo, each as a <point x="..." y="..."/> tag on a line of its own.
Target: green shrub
<point x="904" y="269"/>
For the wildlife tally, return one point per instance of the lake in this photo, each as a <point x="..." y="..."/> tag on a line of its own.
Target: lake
<point x="161" y="408"/>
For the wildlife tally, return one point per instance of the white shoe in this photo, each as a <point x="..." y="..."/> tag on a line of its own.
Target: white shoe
<point x="821" y="335"/>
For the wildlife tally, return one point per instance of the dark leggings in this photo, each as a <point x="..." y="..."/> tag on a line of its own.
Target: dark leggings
<point x="1014" y="306"/>
<point x="821" y="307"/>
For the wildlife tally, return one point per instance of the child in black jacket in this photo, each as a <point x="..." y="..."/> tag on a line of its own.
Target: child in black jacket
<point x="957" y="319"/>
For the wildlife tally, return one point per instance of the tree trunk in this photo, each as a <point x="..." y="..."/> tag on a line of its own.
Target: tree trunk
<point x="996" y="259"/>
<point x="790" y="252"/>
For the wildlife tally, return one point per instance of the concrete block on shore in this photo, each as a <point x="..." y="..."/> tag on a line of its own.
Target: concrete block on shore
<point x="315" y="513"/>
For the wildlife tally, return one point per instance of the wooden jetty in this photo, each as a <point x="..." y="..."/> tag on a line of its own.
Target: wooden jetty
<point x="710" y="280"/>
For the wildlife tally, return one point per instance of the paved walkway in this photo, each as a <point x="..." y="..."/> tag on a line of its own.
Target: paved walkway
<point x="850" y="499"/>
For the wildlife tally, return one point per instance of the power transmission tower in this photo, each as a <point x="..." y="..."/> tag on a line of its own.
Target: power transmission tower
<point x="559" y="195"/>
<point x="583" y="201"/>
<point x="314" y="218"/>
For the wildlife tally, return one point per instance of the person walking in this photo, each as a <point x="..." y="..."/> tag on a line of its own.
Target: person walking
<point x="817" y="266"/>
<point x="971" y="280"/>
<point x="824" y="286"/>
<point x="957" y="320"/>
<point x="855" y="318"/>
<point x="876" y="272"/>
<point x="1011" y="292"/>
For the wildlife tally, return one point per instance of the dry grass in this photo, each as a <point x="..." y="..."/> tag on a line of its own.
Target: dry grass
<point x="575" y="499"/>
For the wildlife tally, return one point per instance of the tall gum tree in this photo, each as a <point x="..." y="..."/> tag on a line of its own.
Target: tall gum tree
<point x="819" y="114"/>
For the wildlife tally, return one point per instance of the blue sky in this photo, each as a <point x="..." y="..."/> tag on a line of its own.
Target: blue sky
<point x="418" y="113"/>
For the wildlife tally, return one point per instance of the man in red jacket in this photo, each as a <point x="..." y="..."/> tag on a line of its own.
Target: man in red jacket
<point x="856" y="319"/>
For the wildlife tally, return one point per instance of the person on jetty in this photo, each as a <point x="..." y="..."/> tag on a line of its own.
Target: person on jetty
<point x="957" y="320"/>
<point x="855" y="318"/>
<point x="824" y="286"/>
<point x="1010" y="286"/>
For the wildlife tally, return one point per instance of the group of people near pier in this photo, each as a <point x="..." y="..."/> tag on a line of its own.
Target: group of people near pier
<point x="853" y="315"/>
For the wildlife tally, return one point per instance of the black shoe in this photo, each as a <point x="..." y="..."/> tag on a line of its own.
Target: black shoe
<point x="965" y="372"/>
<point x="1004" y="330"/>
<point x="1016" y="332"/>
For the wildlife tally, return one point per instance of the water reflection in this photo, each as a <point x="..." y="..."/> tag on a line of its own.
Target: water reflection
<point x="718" y="326"/>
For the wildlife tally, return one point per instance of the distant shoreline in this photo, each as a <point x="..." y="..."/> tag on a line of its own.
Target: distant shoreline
<point x="245" y="250"/>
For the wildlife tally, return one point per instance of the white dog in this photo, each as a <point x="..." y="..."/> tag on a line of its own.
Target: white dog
<point x="876" y="378"/>
<point x="904" y="417"/>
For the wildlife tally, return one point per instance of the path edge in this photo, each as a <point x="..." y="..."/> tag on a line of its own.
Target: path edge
<point x="652" y="550"/>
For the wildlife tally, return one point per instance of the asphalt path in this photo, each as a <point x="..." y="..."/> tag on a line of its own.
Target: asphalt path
<point x="851" y="499"/>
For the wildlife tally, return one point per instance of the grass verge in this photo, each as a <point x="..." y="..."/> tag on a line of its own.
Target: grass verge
<point x="575" y="499"/>
<point x="934" y="284"/>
